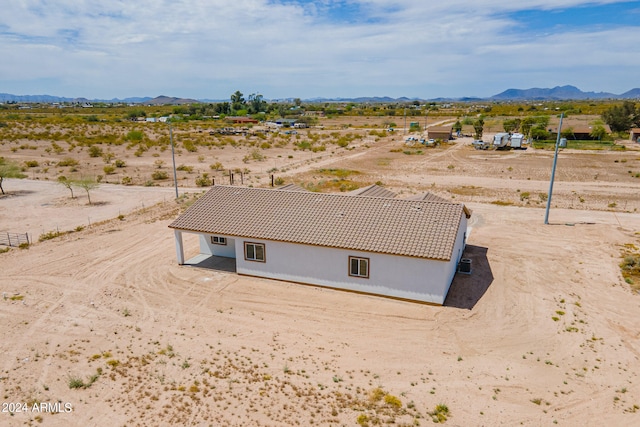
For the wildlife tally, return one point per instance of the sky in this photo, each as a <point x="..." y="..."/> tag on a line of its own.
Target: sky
<point x="208" y="49"/>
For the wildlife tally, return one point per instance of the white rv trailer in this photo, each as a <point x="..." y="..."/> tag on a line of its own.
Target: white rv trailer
<point x="517" y="139"/>
<point x="500" y="140"/>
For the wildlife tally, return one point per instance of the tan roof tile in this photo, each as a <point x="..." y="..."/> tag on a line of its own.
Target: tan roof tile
<point x="425" y="229"/>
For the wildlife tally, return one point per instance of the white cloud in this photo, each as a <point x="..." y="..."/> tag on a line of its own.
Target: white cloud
<point x="208" y="49"/>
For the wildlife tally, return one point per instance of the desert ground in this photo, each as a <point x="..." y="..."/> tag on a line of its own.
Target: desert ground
<point x="544" y="331"/>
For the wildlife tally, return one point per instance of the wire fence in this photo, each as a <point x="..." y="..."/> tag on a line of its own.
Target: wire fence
<point x="13" y="239"/>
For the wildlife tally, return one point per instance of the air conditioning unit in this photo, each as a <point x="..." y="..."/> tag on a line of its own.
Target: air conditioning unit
<point x="464" y="266"/>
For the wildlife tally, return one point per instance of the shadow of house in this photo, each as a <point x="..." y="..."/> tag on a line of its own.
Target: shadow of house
<point x="467" y="289"/>
<point x="212" y="262"/>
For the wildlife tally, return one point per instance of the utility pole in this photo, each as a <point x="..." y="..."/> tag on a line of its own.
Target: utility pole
<point x="405" y="120"/>
<point x="426" y="114"/>
<point x="553" y="171"/>
<point x="173" y="158"/>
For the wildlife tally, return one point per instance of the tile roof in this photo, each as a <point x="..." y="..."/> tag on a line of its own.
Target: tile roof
<point x="373" y="224"/>
<point x="373" y="190"/>
<point x="429" y="196"/>
<point x="291" y="187"/>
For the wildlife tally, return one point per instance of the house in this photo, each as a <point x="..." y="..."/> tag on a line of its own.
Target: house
<point x="399" y="248"/>
<point x="440" y="132"/>
<point x="634" y="135"/>
<point x="578" y="132"/>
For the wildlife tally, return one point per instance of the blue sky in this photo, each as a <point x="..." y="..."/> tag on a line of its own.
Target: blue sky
<point x="208" y="49"/>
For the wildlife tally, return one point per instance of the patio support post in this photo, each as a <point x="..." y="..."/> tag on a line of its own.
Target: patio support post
<point x="179" y="246"/>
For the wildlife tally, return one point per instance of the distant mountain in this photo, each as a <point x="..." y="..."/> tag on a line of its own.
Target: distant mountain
<point x="7" y="97"/>
<point x="534" y="94"/>
<point x="168" y="100"/>
<point x="559" y="93"/>
<point x="632" y="94"/>
<point x="49" y="99"/>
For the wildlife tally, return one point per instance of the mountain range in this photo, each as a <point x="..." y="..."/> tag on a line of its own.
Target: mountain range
<point x="561" y="93"/>
<point x="557" y="93"/>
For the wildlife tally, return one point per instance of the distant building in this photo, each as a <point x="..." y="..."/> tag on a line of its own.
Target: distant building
<point x="440" y="132"/>
<point x="240" y="119"/>
<point x="578" y="132"/>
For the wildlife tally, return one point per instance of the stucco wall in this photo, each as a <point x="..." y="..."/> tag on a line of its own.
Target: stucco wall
<point x="458" y="251"/>
<point x="227" y="251"/>
<point x="403" y="277"/>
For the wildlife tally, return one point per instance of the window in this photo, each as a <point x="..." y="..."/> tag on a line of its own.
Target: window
<point x="218" y="240"/>
<point x="254" y="252"/>
<point x="359" y="267"/>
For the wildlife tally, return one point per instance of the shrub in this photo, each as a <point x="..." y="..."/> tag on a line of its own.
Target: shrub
<point x="190" y="146"/>
<point x="120" y="163"/>
<point x="50" y="235"/>
<point x="75" y="382"/>
<point x="257" y="155"/>
<point x="392" y="401"/>
<point x="107" y="157"/>
<point x="126" y="180"/>
<point x="203" y="181"/>
<point x="439" y="414"/>
<point x="109" y="169"/>
<point x="159" y="175"/>
<point x="68" y="162"/>
<point x="217" y="166"/>
<point x="185" y="168"/>
<point x="31" y="163"/>
<point x="95" y="151"/>
<point x="134" y="136"/>
<point x="56" y="148"/>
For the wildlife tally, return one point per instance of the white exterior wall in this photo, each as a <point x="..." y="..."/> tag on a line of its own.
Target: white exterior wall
<point x="227" y="251"/>
<point x="412" y="278"/>
<point x="458" y="250"/>
<point x="390" y="275"/>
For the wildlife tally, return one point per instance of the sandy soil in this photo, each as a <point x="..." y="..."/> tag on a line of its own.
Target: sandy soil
<point x="543" y="331"/>
<point x="38" y="207"/>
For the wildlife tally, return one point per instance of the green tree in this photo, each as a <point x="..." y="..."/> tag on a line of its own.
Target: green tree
<point x="621" y="118"/>
<point x="599" y="132"/>
<point x="256" y="103"/>
<point x="132" y="115"/>
<point x="9" y="169"/>
<point x="526" y="124"/>
<point x="87" y="184"/>
<point x="539" y="132"/>
<point x="457" y="127"/>
<point x="511" y="125"/>
<point x="237" y="100"/>
<point x="67" y="183"/>
<point x="478" y="126"/>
